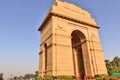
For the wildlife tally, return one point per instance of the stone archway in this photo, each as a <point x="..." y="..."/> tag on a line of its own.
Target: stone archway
<point x="78" y="56"/>
<point x="84" y="57"/>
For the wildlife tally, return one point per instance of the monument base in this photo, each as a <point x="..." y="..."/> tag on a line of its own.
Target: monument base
<point x="86" y="78"/>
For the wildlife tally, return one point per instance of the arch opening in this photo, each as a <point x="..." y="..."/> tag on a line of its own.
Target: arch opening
<point x="77" y="40"/>
<point x="45" y="47"/>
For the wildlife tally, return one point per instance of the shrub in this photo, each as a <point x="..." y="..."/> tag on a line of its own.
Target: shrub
<point x="62" y="77"/>
<point x="48" y="77"/>
<point x="101" y="76"/>
<point x="105" y="76"/>
<point x="39" y="78"/>
<point x="1" y="76"/>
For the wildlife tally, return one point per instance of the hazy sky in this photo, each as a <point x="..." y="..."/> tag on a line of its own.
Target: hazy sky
<point x="19" y="38"/>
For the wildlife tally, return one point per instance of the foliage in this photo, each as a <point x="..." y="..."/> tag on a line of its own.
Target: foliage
<point x="1" y="76"/>
<point x="36" y="75"/>
<point x="39" y="78"/>
<point x="101" y="76"/>
<point x="25" y="77"/>
<point x="105" y="77"/>
<point x="61" y="77"/>
<point x="48" y="77"/>
<point x="113" y="66"/>
<point x="66" y="77"/>
<point x="116" y="74"/>
<point x="20" y="77"/>
<point x="29" y="76"/>
<point x="15" y="78"/>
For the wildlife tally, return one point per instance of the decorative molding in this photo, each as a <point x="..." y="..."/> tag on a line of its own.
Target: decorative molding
<point x="96" y="50"/>
<point x="74" y="10"/>
<point x="74" y="20"/>
<point x="64" y="17"/>
<point x="45" y="39"/>
<point x="73" y="24"/>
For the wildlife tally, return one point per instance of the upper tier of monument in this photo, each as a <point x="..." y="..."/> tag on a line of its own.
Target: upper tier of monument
<point x="71" y="12"/>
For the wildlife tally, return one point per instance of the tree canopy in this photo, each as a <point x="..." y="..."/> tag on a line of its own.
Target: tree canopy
<point x="113" y="66"/>
<point x="1" y="76"/>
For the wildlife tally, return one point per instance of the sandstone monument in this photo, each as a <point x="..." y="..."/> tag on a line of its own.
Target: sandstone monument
<point x="70" y="43"/>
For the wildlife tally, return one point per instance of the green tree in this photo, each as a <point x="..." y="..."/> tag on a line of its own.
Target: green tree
<point x="20" y="77"/>
<point x="29" y="76"/>
<point x="1" y="76"/>
<point x="114" y="65"/>
<point x="36" y="75"/>
<point x="15" y="78"/>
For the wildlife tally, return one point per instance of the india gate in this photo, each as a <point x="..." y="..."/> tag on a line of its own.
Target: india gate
<point x="70" y="43"/>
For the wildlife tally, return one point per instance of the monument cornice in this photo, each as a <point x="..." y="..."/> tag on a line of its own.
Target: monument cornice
<point x="45" y="21"/>
<point x="75" y="20"/>
<point x="64" y="17"/>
